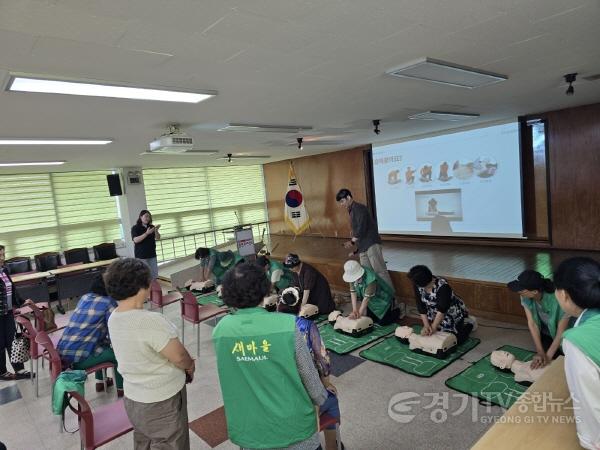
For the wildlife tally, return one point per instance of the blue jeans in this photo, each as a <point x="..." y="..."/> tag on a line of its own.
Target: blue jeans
<point x="331" y="407"/>
<point x="153" y="264"/>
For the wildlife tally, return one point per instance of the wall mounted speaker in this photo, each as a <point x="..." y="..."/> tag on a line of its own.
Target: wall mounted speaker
<point x="114" y="184"/>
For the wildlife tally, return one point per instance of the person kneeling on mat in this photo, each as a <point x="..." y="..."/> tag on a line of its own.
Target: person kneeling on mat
<point x="439" y="307"/>
<point x="377" y="296"/>
<point x="545" y="318"/>
<point x="289" y="302"/>
<point x="214" y="264"/>
<point x="266" y="373"/>
<point x="279" y="276"/>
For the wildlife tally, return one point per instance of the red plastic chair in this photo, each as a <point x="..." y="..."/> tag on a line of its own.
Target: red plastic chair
<point x="50" y="353"/>
<point x="102" y="425"/>
<point x="158" y="300"/>
<point x="196" y="314"/>
<point x="30" y="333"/>
<point x="325" y="421"/>
<point x="61" y="320"/>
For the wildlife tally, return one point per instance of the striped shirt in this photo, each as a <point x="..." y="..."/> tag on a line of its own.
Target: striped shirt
<point x="87" y="332"/>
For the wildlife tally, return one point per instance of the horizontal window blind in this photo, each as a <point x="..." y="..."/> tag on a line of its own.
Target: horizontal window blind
<point x="54" y="212"/>
<point x="192" y="202"/>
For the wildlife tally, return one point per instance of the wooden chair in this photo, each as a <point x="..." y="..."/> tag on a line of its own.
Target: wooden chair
<point x="100" y="426"/>
<point x="196" y="314"/>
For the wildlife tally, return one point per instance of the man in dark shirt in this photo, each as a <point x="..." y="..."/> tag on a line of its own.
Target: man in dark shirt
<point x="313" y="284"/>
<point x="365" y="235"/>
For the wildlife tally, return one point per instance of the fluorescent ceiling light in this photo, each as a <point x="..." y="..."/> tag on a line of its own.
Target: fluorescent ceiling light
<point x="437" y="71"/>
<point x="54" y="141"/>
<point x="33" y="163"/>
<point x="244" y="127"/>
<point x="443" y="115"/>
<point x="245" y="156"/>
<point x="186" y="153"/>
<point x="98" y="89"/>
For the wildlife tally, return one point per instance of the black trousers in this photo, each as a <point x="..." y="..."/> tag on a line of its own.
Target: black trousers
<point x="7" y="334"/>
<point x="390" y="316"/>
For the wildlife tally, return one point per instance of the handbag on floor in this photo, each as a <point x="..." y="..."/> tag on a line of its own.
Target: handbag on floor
<point x="19" y="350"/>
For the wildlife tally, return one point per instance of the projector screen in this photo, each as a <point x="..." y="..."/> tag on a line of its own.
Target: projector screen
<point x="460" y="184"/>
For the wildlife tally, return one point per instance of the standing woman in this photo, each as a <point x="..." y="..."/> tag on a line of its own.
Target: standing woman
<point x="545" y="319"/>
<point x="9" y="300"/>
<point x="152" y="360"/>
<point x="577" y="282"/>
<point x="145" y="235"/>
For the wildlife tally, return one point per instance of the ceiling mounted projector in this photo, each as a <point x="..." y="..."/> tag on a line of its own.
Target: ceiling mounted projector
<point x="175" y="141"/>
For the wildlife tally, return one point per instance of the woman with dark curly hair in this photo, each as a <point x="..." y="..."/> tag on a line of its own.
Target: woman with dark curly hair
<point x="577" y="282"/>
<point x="439" y="306"/>
<point x="266" y="373"/>
<point x="153" y="362"/>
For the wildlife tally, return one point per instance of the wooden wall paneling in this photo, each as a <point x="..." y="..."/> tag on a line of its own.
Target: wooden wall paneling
<point x="574" y="153"/>
<point x="320" y="177"/>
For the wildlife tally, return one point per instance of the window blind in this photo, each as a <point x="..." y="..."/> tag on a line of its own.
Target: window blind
<point x="57" y="211"/>
<point x="191" y="202"/>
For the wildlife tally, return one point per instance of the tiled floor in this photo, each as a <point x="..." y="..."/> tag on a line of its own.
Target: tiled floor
<point x="365" y="390"/>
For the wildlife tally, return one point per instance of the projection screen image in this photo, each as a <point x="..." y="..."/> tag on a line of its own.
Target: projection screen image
<point x="460" y="184"/>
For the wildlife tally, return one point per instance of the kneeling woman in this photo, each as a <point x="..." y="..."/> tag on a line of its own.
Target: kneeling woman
<point x="377" y="297"/>
<point x="440" y="308"/>
<point x="577" y="282"/>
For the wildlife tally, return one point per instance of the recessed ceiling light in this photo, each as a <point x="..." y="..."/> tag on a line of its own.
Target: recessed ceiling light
<point x="436" y="71"/>
<point x="443" y="115"/>
<point x="246" y="127"/>
<point x="26" y="83"/>
<point x="54" y="141"/>
<point x="33" y="163"/>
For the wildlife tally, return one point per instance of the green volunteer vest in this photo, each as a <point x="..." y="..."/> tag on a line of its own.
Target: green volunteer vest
<point x="586" y="335"/>
<point x="266" y="404"/>
<point x="218" y="270"/>
<point x="286" y="278"/>
<point x="381" y="302"/>
<point x="550" y="306"/>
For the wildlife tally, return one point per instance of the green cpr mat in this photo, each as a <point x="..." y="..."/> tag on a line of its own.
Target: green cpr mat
<point x="342" y="343"/>
<point x="321" y="318"/>
<point x="394" y="353"/>
<point x="205" y="299"/>
<point x="485" y="382"/>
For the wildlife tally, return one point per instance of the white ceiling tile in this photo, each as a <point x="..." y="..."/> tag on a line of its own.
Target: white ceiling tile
<point x="49" y="20"/>
<point x="70" y="58"/>
<point x="14" y="45"/>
